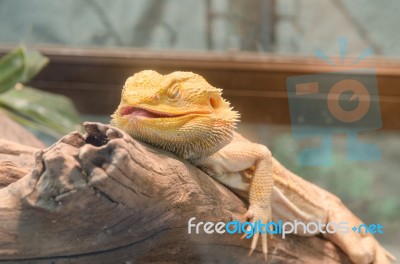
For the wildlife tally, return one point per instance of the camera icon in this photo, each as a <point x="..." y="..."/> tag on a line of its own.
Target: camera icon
<point x="322" y="105"/>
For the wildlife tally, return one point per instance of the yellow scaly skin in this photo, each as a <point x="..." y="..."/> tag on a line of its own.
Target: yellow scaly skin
<point x="182" y="113"/>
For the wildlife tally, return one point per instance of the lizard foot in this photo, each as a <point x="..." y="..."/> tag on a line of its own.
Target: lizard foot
<point x="257" y="215"/>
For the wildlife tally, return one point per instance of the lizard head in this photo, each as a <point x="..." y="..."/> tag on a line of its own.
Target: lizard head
<point x="179" y="112"/>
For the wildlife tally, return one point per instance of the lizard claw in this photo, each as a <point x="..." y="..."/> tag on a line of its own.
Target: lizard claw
<point x="253" y="243"/>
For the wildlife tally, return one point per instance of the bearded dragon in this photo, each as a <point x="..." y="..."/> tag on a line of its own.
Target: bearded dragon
<point x="182" y="113"/>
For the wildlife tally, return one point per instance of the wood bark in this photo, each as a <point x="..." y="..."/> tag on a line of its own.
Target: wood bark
<point x="106" y="198"/>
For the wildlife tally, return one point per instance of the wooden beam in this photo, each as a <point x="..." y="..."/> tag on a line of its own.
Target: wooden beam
<point x="254" y="83"/>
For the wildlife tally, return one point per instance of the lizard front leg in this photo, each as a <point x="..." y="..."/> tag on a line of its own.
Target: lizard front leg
<point x="239" y="158"/>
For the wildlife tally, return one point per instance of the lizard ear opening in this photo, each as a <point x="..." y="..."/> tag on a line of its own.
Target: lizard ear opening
<point x="213" y="103"/>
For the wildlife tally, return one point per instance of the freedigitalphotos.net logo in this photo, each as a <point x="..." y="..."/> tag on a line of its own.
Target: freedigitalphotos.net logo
<point x="345" y="102"/>
<point x="279" y="228"/>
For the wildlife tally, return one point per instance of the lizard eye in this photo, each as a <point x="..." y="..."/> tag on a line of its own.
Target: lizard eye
<point x="174" y="91"/>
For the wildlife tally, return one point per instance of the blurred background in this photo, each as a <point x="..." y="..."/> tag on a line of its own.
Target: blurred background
<point x="248" y="48"/>
<point x="281" y="27"/>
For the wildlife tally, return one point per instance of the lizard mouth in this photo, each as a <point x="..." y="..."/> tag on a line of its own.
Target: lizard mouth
<point x="141" y="112"/>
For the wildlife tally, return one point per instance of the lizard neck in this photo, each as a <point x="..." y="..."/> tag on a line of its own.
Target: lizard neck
<point x="193" y="143"/>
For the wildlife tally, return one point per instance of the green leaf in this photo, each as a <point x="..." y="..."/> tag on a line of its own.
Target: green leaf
<point x="19" y="66"/>
<point x="49" y="113"/>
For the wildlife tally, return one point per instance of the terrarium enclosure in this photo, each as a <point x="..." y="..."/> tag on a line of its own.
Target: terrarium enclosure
<point x="316" y="82"/>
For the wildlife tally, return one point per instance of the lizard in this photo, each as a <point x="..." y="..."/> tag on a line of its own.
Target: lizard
<point x="182" y="113"/>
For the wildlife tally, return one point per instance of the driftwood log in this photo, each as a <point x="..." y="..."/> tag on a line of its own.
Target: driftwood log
<point x="106" y="198"/>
